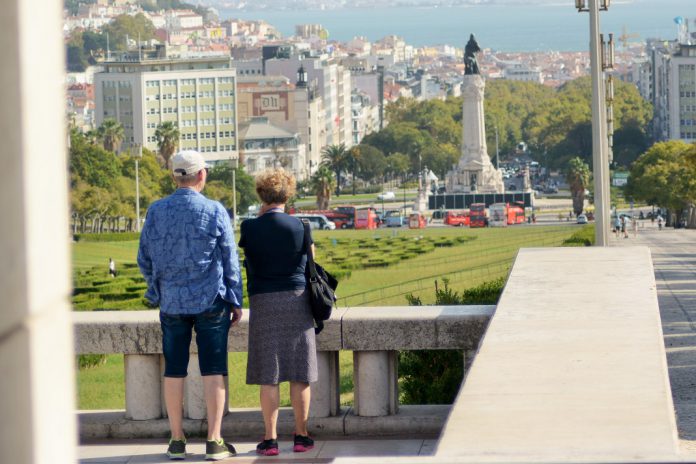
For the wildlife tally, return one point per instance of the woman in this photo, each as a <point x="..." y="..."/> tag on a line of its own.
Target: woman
<point x="282" y="344"/>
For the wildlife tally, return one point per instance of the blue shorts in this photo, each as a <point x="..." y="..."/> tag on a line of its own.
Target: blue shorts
<point x="212" y="327"/>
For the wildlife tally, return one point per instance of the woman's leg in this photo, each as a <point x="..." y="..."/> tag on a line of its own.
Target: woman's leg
<point x="270" y="401"/>
<point x="299" y="397"/>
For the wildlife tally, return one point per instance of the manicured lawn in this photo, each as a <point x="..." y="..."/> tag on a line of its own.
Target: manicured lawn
<point x="378" y="268"/>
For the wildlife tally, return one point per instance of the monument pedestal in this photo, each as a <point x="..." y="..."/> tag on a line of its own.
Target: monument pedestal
<point x="474" y="172"/>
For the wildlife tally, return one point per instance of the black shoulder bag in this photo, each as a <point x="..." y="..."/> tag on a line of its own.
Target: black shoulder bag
<point x="321" y="285"/>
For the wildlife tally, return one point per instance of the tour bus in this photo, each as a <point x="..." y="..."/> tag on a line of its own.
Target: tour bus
<point x="366" y="218"/>
<point x="457" y="218"/>
<point x="504" y="214"/>
<point x="497" y="215"/>
<point x="478" y="215"/>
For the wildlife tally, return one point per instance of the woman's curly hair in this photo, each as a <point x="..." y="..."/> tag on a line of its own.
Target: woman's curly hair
<point x="275" y="185"/>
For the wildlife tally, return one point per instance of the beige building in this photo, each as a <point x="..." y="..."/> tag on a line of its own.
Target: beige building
<point x="198" y="94"/>
<point x="295" y="108"/>
<point x="264" y="145"/>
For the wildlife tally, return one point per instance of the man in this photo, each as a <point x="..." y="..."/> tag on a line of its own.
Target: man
<point x="188" y="258"/>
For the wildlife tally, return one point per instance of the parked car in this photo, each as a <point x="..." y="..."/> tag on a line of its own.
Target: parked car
<point x="551" y="189"/>
<point x="394" y="218"/>
<point x="386" y="196"/>
<point x="317" y="221"/>
<point x="582" y="219"/>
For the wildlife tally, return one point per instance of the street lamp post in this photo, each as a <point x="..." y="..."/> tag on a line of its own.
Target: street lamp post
<point x="234" y="163"/>
<point x="137" y="153"/>
<point x="599" y="122"/>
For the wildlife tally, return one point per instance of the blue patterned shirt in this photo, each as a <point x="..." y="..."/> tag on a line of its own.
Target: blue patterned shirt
<point x="187" y="254"/>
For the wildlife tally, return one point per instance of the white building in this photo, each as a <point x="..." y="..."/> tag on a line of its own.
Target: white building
<point x="199" y="95"/>
<point x="521" y="72"/>
<point x="265" y="145"/>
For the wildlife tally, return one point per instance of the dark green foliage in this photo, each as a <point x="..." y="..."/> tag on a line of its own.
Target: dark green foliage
<point x="434" y="377"/>
<point x="86" y="361"/>
<point x="107" y="237"/>
<point x="583" y="237"/>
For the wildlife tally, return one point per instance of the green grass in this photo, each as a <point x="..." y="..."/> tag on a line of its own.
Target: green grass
<point x="103" y="386"/>
<point x="379" y="268"/>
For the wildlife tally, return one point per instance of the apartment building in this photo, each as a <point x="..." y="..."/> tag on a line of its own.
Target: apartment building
<point x="292" y="106"/>
<point x="198" y="94"/>
<point x="672" y="89"/>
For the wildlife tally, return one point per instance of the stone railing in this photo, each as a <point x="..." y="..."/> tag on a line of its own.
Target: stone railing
<point x="373" y="334"/>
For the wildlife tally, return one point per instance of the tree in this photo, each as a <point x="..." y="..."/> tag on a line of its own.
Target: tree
<point x="335" y="158"/>
<point x="665" y="176"/>
<point x="397" y="165"/>
<point x="578" y="178"/>
<point x="90" y="163"/>
<point x="372" y="163"/>
<point x="221" y="174"/>
<point x="110" y="134"/>
<point x="167" y="135"/>
<point x="323" y="183"/>
<point x="125" y="27"/>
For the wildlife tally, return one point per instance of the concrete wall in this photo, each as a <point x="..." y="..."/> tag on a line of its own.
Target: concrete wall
<point x="36" y="360"/>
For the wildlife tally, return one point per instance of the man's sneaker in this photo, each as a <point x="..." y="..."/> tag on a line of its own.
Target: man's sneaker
<point x="268" y="447"/>
<point x="302" y="444"/>
<point x="176" y="450"/>
<point x="216" y="450"/>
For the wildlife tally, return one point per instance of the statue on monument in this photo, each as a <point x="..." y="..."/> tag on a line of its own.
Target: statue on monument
<point x="470" y="63"/>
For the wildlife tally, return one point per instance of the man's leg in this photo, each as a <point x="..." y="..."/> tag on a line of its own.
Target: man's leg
<point x="173" y="399"/>
<point x="270" y="402"/>
<point x="299" y="397"/>
<point x="214" y="388"/>
<point x="176" y="339"/>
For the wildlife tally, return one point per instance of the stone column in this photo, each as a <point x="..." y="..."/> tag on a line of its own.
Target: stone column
<point x="325" y="391"/>
<point x="375" y="383"/>
<point x="194" y="399"/>
<point x="36" y="346"/>
<point x="143" y="386"/>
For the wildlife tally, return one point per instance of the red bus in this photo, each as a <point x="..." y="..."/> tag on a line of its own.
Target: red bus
<point x="457" y="218"/>
<point x="515" y="214"/>
<point x="478" y="215"/>
<point x="366" y="218"/>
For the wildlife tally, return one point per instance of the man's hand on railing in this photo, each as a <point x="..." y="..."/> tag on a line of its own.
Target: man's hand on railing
<point x="236" y="316"/>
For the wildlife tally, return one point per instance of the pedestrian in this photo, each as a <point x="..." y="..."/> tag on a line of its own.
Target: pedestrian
<point x="623" y="227"/>
<point x="282" y="345"/>
<point x="189" y="260"/>
<point x="634" y="225"/>
<point x="659" y="221"/>
<point x="112" y="268"/>
<point x="617" y="226"/>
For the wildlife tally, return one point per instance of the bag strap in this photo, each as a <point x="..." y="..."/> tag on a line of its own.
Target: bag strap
<point x="310" y="258"/>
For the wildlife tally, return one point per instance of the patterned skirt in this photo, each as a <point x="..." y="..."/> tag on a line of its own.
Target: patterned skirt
<point x="282" y="344"/>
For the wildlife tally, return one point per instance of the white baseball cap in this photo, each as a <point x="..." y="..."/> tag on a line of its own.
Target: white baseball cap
<point x="187" y="162"/>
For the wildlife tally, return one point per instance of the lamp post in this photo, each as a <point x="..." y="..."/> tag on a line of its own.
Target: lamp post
<point x="599" y="121"/>
<point x="137" y="153"/>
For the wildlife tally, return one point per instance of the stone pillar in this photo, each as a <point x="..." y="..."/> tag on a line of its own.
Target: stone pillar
<point x="143" y="386"/>
<point x="325" y="391"/>
<point x="194" y="399"/>
<point x="375" y="383"/>
<point x="36" y="345"/>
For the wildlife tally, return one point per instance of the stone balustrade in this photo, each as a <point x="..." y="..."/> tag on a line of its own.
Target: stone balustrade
<point x="373" y="334"/>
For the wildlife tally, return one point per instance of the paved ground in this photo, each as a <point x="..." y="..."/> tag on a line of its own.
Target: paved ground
<point x="152" y="451"/>
<point x="674" y="258"/>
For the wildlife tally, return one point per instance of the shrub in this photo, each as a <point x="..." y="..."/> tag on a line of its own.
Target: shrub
<point x="434" y="377"/>
<point x="87" y="361"/>
<point x="108" y="237"/>
<point x="583" y="237"/>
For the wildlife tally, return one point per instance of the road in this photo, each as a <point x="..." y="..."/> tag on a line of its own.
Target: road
<point x="674" y="259"/>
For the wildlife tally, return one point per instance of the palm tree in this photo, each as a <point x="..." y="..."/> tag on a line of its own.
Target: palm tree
<point x="335" y="157"/>
<point x="354" y="158"/>
<point x="322" y="183"/>
<point x="111" y="134"/>
<point x="167" y="135"/>
<point x="578" y="178"/>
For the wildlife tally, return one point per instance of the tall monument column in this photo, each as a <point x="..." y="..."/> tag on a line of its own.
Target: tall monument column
<point x="474" y="173"/>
